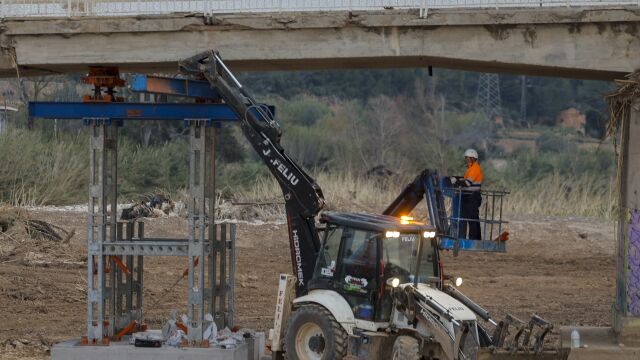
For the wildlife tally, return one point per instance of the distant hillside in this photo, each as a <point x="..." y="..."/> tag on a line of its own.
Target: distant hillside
<point x="544" y="97"/>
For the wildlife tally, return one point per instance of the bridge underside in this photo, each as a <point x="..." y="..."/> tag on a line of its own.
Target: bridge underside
<point x="580" y="43"/>
<point x="302" y="64"/>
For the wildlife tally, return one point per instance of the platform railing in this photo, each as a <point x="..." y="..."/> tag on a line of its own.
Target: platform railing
<point x="492" y="234"/>
<point x="490" y="213"/>
<point x="72" y="8"/>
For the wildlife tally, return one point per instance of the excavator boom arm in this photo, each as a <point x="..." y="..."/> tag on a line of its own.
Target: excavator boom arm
<point x="413" y="194"/>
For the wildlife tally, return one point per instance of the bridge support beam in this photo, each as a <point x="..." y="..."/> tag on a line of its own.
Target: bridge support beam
<point x="627" y="307"/>
<point x="589" y="43"/>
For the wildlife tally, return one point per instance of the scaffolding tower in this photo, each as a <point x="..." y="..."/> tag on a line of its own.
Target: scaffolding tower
<point x="117" y="249"/>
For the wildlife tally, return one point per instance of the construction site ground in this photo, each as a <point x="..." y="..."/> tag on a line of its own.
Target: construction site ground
<point x="561" y="268"/>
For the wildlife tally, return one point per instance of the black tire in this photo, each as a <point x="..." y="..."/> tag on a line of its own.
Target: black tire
<point x="330" y="341"/>
<point x="406" y="348"/>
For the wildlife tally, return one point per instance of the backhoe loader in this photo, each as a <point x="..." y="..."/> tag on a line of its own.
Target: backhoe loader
<point x="365" y="286"/>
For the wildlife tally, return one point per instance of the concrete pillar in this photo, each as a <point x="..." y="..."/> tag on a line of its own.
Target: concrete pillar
<point x="627" y="306"/>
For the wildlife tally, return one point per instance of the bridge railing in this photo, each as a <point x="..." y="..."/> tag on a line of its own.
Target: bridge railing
<point x="68" y="8"/>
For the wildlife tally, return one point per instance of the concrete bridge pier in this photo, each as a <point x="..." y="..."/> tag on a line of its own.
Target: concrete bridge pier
<point x="622" y="341"/>
<point x="626" y="312"/>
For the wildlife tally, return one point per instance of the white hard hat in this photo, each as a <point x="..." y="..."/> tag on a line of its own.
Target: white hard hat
<point x="471" y="153"/>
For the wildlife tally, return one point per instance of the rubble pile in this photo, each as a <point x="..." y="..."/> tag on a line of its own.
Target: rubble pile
<point x="35" y="242"/>
<point x="156" y="206"/>
<point x="173" y="334"/>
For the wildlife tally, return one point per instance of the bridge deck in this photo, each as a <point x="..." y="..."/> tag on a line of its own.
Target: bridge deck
<point x="586" y="42"/>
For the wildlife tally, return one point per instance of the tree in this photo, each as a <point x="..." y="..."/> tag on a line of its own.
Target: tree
<point x="32" y="89"/>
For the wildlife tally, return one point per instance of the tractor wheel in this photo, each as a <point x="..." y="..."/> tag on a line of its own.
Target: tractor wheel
<point x="314" y="334"/>
<point x="406" y="348"/>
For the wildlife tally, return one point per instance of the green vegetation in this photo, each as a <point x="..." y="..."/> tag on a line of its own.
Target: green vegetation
<point x="339" y="125"/>
<point x="544" y="97"/>
<point x="36" y="170"/>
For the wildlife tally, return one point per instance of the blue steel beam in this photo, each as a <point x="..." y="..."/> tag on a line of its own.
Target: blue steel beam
<point x="131" y="111"/>
<point x="171" y="86"/>
<point x="177" y="87"/>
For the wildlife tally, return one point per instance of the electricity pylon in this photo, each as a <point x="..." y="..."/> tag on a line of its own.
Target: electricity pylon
<point x="488" y="97"/>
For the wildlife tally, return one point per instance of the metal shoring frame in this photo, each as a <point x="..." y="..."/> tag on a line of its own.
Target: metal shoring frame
<point x="220" y="264"/>
<point x="213" y="271"/>
<point x="231" y="299"/>
<point x="110" y="305"/>
<point x="215" y="242"/>
<point x="112" y="195"/>
<point x="120" y="288"/>
<point x="114" y="301"/>
<point x="211" y="287"/>
<point x="211" y="196"/>
<point x="117" y="288"/>
<point x="222" y="277"/>
<point x="223" y="280"/>
<point x="127" y="287"/>
<point x="197" y="227"/>
<point x="138" y="271"/>
<point x="212" y="243"/>
<point x="100" y="217"/>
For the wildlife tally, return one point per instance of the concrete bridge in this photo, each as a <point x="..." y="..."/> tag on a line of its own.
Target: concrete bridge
<point x="593" y="41"/>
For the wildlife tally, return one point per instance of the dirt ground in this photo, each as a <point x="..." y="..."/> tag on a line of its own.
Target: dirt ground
<point x="562" y="269"/>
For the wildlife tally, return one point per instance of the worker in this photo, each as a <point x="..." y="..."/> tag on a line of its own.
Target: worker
<point x="470" y="185"/>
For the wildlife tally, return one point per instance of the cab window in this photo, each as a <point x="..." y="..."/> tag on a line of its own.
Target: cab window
<point x="399" y="260"/>
<point x="328" y="255"/>
<point x="399" y="256"/>
<point x="358" y="271"/>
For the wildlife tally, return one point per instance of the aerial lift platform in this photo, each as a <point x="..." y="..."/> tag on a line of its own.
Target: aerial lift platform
<point x="443" y="202"/>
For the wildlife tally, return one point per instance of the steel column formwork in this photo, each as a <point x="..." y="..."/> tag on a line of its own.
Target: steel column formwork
<point x="210" y="288"/>
<point x="101" y="224"/>
<point x="212" y="231"/>
<point x="116" y="249"/>
<point x="221" y="290"/>
<point x="114" y="280"/>
<point x="127" y="270"/>
<point x="198" y="221"/>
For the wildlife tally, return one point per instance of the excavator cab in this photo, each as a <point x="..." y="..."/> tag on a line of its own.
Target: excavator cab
<point x="361" y="253"/>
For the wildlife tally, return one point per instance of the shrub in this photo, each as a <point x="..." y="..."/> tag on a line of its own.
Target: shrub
<point x="550" y="142"/>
